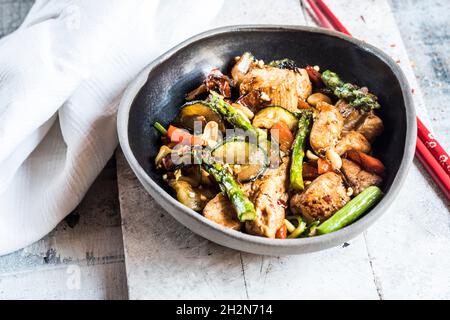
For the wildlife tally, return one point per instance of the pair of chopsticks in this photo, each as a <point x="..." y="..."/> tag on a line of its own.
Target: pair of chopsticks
<point x="428" y="150"/>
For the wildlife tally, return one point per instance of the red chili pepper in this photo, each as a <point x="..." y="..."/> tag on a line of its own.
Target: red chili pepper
<point x="281" y="232"/>
<point x="314" y="76"/>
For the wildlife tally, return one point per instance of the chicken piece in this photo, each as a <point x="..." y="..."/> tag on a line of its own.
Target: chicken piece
<point x="326" y="129"/>
<point x="280" y="87"/>
<point x="368" y="124"/>
<point x="351" y="116"/>
<point x="370" y="127"/>
<point x="321" y="199"/>
<point x="221" y="211"/>
<point x="358" y="178"/>
<point x="352" y="140"/>
<point x="270" y="197"/>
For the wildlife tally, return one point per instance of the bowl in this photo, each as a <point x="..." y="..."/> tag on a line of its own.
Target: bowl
<point x="159" y="90"/>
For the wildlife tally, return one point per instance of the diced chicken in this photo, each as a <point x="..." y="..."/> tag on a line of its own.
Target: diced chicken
<point x="350" y="114"/>
<point x="368" y="124"/>
<point x="357" y="177"/>
<point x="352" y="140"/>
<point x="270" y="198"/>
<point x="326" y="129"/>
<point x="370" y="127"/>
<point x="321" y="199"/>
<point x="280" y="87"/>
<point x="221" y="211"/>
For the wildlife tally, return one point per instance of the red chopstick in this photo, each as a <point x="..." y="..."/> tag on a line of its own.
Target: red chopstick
<point x="433" y="145"/>
<point x="321" y="19"/>
<point x="434" y="169"/>
<point x="331" y="17"/>
<point x="428" y="150"/>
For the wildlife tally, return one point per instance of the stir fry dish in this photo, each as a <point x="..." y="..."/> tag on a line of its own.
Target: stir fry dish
<point x="274" y="149"/>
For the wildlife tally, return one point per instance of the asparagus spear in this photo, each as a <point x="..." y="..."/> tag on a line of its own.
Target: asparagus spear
<point x="244" y="207"/>
<point x="298" y="152"/>
<point x="352" y="210"/>
<point x="349" y="92"/>
<point x="238" y="120"/>
<point x="233" y="116"/>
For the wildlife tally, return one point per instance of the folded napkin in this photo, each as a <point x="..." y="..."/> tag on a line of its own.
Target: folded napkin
<point x="61" y="77"/>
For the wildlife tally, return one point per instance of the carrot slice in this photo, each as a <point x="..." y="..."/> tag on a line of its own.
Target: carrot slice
<point x="283" y="135"/>
<point x="367" y="162"/>
<point x="323" y="166"/>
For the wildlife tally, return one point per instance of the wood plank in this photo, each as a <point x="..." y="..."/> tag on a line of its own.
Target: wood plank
<point x="406" y="245"/>
<point x="87" y="242"/>
<point x="425" y="29"/>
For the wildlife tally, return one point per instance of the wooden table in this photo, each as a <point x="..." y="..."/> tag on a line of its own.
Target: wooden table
<point x="402" y="256"/>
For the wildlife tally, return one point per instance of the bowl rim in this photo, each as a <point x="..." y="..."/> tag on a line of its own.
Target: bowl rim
<point x="307" y="244"/>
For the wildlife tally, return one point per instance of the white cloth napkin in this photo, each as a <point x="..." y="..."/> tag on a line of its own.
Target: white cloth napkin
<point x="61" y="77"/>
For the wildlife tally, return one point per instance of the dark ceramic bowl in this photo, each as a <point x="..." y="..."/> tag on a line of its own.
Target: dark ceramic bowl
<point x="159" y="90"/>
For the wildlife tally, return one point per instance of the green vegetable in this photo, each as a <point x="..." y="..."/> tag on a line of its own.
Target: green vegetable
<point x="233" y="116"/>
<point x="238" y="120"/>
<point x="197" y="111"/>
<point x="289" y="226"/>
<point x="284" y="64"/>
<point x="301" y="227"/>
<point x="298" y="152"/>
<point x="188" y="195"/>
<point x="352" y="210"/>
<point x="251" y="159"/>
<point x="312" y="227"/>
<point x="269" y="116"/>
<point x="349" y="92"/>
<point x="158" y="126"/>
<point x="244" y="207"/>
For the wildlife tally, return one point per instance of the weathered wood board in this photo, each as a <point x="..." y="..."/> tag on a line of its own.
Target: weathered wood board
<point x="391" y="260"/>
<point x="82" y="258"/>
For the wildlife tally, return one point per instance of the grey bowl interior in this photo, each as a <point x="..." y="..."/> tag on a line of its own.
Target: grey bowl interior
<point x="159" y="90"/>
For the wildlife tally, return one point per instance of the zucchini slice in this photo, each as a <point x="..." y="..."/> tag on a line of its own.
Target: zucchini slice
<point x="267" y="117"/>
<point x="197" y="111"/>
<point x="247" y="160"/>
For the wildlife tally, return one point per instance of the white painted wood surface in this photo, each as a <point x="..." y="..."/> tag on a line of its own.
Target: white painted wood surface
<point x="82" y="258"/>
<point x="402" y="256"/>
